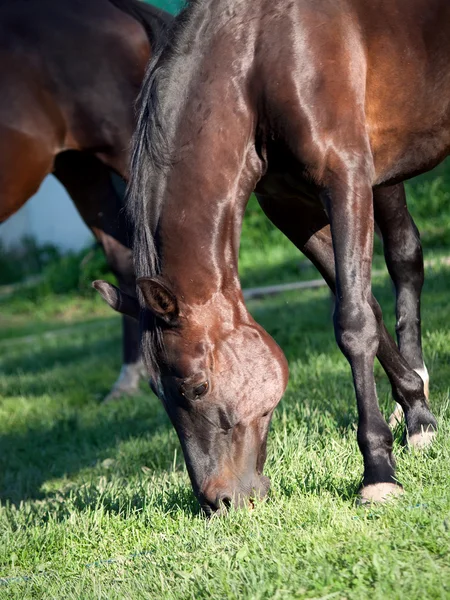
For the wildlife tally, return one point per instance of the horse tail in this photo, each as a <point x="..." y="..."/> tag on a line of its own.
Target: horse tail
<point x="155" y="21"/>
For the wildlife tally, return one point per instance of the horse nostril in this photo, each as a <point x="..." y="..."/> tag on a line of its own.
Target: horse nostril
<point x="219" y="501"/>
<point x="224" y="500"/>
<point x="215" y="504"/>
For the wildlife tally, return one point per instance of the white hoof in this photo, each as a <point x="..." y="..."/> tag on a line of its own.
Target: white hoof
<point x="379" y="492"/>
<point x="422" y="440"/>
<point x="127" y="383"/>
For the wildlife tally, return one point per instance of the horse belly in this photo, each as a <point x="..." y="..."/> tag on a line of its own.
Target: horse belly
<point x="403" y="150"/>
<point x="407" y="100"/>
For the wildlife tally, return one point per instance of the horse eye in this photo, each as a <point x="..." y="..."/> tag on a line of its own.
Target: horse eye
<point x="201" y="389"/>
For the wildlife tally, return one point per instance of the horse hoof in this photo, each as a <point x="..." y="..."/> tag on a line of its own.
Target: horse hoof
<point x="396" y="417"/>
<point x="379" y="492"/>
<point x="422" y="440"/>
<point x="117" y="393"/>
<point x="127" y="383"/>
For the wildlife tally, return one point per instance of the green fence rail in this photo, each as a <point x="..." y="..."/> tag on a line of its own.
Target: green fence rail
<point x="172" y="6"/>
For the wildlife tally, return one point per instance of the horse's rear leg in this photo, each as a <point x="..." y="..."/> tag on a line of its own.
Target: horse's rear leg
<point x="311" y="234"/>
<point x="88" y="182"/>
<point x="404" y="259"/>
<point x="406" y="386"/>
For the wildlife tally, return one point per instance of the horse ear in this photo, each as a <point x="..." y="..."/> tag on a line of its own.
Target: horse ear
<point x="118" y="300"/>
<point x="159" y="299"/>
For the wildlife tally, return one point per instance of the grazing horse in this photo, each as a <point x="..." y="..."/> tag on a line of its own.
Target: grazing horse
<point x="70" y="72"/>
<point x="323" y="108"/>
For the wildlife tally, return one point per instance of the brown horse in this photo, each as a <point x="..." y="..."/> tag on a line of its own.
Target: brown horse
<point x="70" y="72"/>
<point x="323" y="108"/>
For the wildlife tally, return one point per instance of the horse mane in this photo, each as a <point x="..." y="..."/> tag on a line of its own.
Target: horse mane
<point x="154" y="20"/>
<point x="157" y="24"/>
<point x="151" y="154"/>
<point x="151" y="149"/>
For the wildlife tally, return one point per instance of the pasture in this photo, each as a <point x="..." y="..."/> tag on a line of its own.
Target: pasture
<point x="96" y="502"/>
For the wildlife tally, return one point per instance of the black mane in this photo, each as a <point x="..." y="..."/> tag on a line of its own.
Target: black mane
<point x="154" y="20"/>
<point x="151" y="154"/>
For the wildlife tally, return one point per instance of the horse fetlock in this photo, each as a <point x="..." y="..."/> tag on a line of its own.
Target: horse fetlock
<point x="418" y="389"/>
<point x="411" y="393"/>
<point x="375" y="436"/>
<point x="375" y="441"/>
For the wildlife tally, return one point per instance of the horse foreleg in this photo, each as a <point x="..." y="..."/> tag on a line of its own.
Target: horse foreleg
<point x="132" y="371"/>
<point x="310" y="232"/>
<point x="89" y="183"/>
<point x="407" y="387"/>
<point x="404" y="260"/>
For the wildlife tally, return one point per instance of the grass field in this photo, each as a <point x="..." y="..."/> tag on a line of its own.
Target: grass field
<point x="96" y="502"/>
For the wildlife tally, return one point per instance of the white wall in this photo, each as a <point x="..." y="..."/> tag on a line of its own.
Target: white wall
<point x="49" y="217"/>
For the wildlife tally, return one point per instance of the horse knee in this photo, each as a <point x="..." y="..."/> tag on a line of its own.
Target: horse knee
<point x="356" y="329"/>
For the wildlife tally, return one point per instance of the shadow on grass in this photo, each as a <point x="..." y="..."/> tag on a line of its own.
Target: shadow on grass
<point x="63" y="354"/>
<point x="82" y="435"/>
<point x="62" y="429"/>
<point x="39" y="455"/>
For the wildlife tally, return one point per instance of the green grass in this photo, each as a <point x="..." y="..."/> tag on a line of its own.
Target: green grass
<point x="95" y="500"/>
<point x="82" y="483"/>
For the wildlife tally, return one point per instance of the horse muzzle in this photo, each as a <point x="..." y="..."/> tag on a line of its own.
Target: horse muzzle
<point x="216" y="496"/>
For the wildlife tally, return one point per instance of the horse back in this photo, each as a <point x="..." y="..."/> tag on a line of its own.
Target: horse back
<point x="77" y="60"/>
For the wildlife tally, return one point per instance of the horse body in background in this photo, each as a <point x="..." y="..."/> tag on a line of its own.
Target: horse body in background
<point x="70" y="72"/>
<point x="323" y="108"/>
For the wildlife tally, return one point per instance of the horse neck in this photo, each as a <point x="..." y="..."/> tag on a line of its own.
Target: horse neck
<point x="200" y="225"/>
<point x="216" y="166"/>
